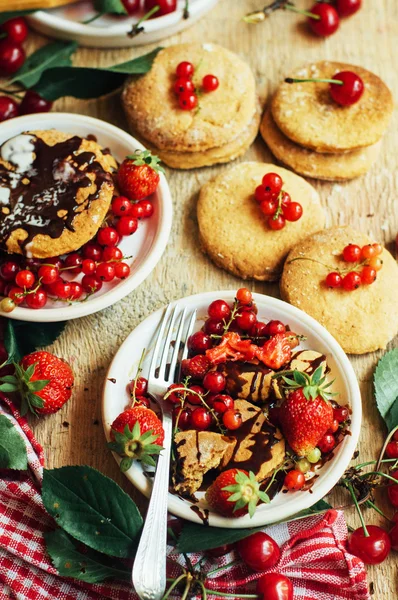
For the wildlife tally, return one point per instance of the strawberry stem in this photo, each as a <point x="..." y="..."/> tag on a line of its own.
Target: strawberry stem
<point x="336" y="81"/>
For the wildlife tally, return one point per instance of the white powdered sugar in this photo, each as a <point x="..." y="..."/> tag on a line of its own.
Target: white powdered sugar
<point x="4" y="196"/>
<point x="19" y="152"/>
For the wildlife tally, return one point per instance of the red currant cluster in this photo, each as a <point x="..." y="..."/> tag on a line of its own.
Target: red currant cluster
<point x="185" y="89"/>
<point x="165" y="6"/>
<point x="12" y="57"/>
<point x="276" y="204"/>
<point x="367" y="259"/>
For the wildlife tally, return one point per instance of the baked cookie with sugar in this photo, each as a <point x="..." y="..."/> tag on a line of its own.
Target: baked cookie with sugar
<point x="234" y="232"/>
<point x="329" y="167"/>
<point x="220" y="129"/>
<point x="307" y="114"/>
<point x="362" y="320"/>
<point x="55" y="191"/>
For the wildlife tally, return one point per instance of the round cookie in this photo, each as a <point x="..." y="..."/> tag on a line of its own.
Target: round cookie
<point x="363" y="320"/>
<point x="234" y="232"/>
<point x="307" y="114"/>
<point x="55" y="191"/>
<point x="330" y="167"/>
<point x="222" y="117"/>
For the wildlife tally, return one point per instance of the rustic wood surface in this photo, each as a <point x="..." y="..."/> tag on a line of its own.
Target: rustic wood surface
<point x="75" y="434"/>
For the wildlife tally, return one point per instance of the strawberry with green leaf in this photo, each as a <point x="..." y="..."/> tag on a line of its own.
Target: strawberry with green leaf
<point x="235" y="493"/>
<point x="43" y="381"/>
<point x="306" y="414"/>
<point x="136" y="434"/>
<point x="138" y="175"/>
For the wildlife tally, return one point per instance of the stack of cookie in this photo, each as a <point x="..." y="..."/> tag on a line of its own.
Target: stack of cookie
<point x="219" y="129"/>
<point x="309" y="132"/>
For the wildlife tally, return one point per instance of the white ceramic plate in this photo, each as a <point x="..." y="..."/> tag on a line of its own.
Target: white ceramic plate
<point x="145" y="247"/>
<point x="66" y="23"/>
<point x="283" y="506"/>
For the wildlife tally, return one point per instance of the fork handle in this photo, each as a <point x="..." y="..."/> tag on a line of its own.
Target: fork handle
<point x="149" y="570"/>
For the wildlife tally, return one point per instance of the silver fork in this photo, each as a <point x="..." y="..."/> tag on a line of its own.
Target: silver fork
<point x="149" y="570"/>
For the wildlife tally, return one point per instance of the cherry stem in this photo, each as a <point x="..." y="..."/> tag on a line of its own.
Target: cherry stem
<point x="370" y="504"/>
<point x="381" y="474"/>
<point x="225" y="595"/>
<point x="94" y="18"/>
<point x="137" y="27"/>
<point x="355" y="499"/>
<point x="260" y="15"/>
<point x="293" y="80"/>
<point x="373" y="462"/>
<point x="174" y="585"/>
<point x="185" y="13"/>
<point x="389" y="437"/>
<point x="139" y="371"/>
<point x="306" y="13"/>
<point x="231" y="564"/>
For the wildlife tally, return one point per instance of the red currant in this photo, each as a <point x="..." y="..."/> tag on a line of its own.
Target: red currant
<point x="221" y="403"/>
<point x="12" y="57"/>
<point x="276" y="223"/>
<point x="350" y="91"/>
<point x="182" y="417"/>
<point x="76" y="291"/>
<point x="272" y="183"/>
<point x="148" y="209"/>
<point x="131" y="6"/>
<point x="393" y="490"/>
<point x="245" y="320"/>
<point x="183" y="85"/>
<point x="259" y="329"/>
<point x="327" y="22"/>
<point x="352" y="253"/>
<point x="91" y="284"/>
<point x="376" y="263"/>
<point x="111" y="253"/>
<point x="143" y="401"/>
<point x="37" y="299"/>
<point x="122" y="270"/>
<point x="378" y="248"/>
<point x="188" y="101"/>
<point x="232" y="419"/>
<point x="88" y="266"/>
<point x="293" y="211"/>
<point x="373" y="548"/>
<point x="140" y="385"/>
<point x="219" y="310"/>
<point x="334" y="426"/>
<point x="8" y="108"/>
<point x="326" y="443"/>
<point x="137" y="210"/>
<point x="108" y="236"/>
<point x="25" y="279"/>
<point x="346" y="8"/>
<point x="199" y="342"/>
<point x="121" y="206"/>
<point x="16" y="294"/>
<point x="32" y="103"/>
<point x="214" y="382"/>
<point x="61" y="289"/>
<point x="201" y="419"/>
<point x="334" y="280"/>
<point x="244" y="296"/>
<point x="391" y="448"/>
<point x="93" y="251"/>
<point x="16" y="29"/>
<point x="105" y="271"/>
<point x="351" y="281"/>
<point x="261" y="195"/>
<point x="274" y="327"/>
<point x="165" y="7"/>
<point x="259" y="551"/>
<point x="175" y="397"/>
<point x="368" y="251"/>
<point x="8" y="270"/>
<point x="294" y="480"/>
<point x="213" y="327"/>
<point x="341" y="414"/>
<point x="55" y="261"/>
<point x="185" y="69"/>
<point x="74" y="262"/>
<point x="210" y="83"/>
<point x="368" y="275"/>
<point x="268" y="207"/>
<point x="285" y="199"/>
<point x="192" y="396"/>
<point x="126" y="225"/>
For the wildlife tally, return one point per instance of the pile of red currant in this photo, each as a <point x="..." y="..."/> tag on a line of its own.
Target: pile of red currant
<point x="367" y="263"/>
<point x="12" y="57"/>
<point x="165" y="6"/>
<point x="185" y="89"/>
<point x="275" y="203"/>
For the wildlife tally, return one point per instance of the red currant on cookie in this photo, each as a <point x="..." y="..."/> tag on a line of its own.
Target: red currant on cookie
<point x="352" y="253"/>
<point x="210" y="83"/>
<point x="351" y="281"/>
<point x="185" y="69"/>
<point x="334" y="280"/>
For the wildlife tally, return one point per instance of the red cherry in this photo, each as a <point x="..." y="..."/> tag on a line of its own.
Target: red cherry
<point x="328" y="21"/>
<point x="8" y="108"/>
<point x="105" y="271"/>
<point x="368" y="275"/>
<point x="210" y="83"/>
<point x="111" y="253"/>
<point x="74" y="262"/>
<point x="12" y="57"/>
<point x="16" y="294"/>
<point x="183" y="416"/>
<point x="232" y="419"/>
<point x="268" y="207"/>
<point x="244" y="296"/>
<point x="185" y="69"/>
<point x="346" y="8"/>
<point x="294" y="480"/>
<point x="121" y="206"/>
<point x="259" y="551"/>
<point x="8" y="270"/>
<point x="350" y="92"/>
<point x="372" y="549"/>
<point x="293" y="211"/>
<point x="214" y="382"/>
<point x="16" y="30"/>
<point x="213" y="327"/>
<point x="274" y="586"/>
<point x="201" y="419"/>
<point x="88" y="266"/>
<point x="37" y="300"/>
<point x="219" y="310"/>
<point x="259" y="329"/>
<point x="91" y="284"/>
<point x="140" y="385"/>
<point x="165" y="7"/>
<point x="183" y="85"/>
<point x="126" y="226"/>
<point x="352" y="253"/>
<point x="220" y="551"/>
<point x="326" y="443"/>
<point x="394" y="537"/>
<point x="188" y="101"/>
<point x="276" y="223"/>
<point x="108" y="236"/>
<point x="393" y="490"/>
<point x="352" y="281"/>
<point x="199" y="342"/>
<point x="245" y="320"/>
<point x="25" y="279"/>
<point x="122" y="270"/>
<point x="392" y="449"/>
<point x="272" y="183"/>
<point x="222" y="403"/>
<point x="92" y="250"/>
<point x="192" y="396"/>
<point x="341" y="414"/>
<point x="32" y="103"/>
<point x="274" y="327"/>
<point x="76" y="291"/>
<point x="334" y="280"/>
<point x="131" y="6"/>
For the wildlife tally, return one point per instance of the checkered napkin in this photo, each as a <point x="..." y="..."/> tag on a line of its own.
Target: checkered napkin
<point x="313" y="549"/>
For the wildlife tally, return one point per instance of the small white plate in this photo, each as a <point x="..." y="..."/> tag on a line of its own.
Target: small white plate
<point x="283" y="506"/>
<point x="66" y="23"/>
<point x="145" y="247"/>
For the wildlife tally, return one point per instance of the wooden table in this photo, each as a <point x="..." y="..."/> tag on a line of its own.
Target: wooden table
<point x="75" y="434"/>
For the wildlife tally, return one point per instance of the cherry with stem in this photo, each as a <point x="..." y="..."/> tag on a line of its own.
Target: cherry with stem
<point x="137" y="27"/>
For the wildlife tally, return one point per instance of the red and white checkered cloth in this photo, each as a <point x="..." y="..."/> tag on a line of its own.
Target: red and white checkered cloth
<point x="313" y="549"/>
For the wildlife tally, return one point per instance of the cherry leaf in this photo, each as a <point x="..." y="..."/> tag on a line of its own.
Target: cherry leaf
<point x="386" y="388"/>
<point x="12" y="448"/>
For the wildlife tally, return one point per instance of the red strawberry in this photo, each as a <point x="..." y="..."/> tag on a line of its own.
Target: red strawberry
<point x="136" y="434"/>
<point x="196" y="367"/>
<point x="306" y="414"/>
<point x="276" y="352"/>
<point x="235" y="493"/>
<point x="43" y="381"/>
<point x="138" y="175"/>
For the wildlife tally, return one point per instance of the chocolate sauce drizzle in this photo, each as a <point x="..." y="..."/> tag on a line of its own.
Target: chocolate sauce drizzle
<point x="48" y="204"/>
<point x="236" y="379"/>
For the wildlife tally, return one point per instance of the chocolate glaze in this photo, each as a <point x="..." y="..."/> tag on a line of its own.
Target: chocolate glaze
<point x="312" y="364"/>
<point x="236" y="381"/>
<point x="204" y="516"/>
<point x="40" y="200"/>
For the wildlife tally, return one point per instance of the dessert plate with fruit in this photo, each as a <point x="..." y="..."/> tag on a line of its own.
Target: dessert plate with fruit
<point x="80" y="21"/>
<point x="85" y="215"/>
<point x="266" y="405"/>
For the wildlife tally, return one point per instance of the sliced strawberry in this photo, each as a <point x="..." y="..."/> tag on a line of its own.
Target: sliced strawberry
<point x="276" y="351"/>
<point x="232" y="348"/>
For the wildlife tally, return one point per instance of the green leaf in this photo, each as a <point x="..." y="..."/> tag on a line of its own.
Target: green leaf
<point x="12" y="448"/>
<point x="11" y="14"/>
<point x="22" y="338"/>
<point x="113" y="7"/>
<point x="89" y="566"/>
<point x="92" y="508"/>
<point x="7" y="388"/>
<point x="194" y="537"/>
<point x="90" y="82"/>
<point x="56" y="54"/>
<point x="386" y="388"/>
<point x="36" y="386"/>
